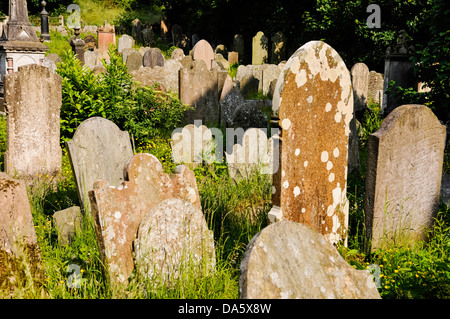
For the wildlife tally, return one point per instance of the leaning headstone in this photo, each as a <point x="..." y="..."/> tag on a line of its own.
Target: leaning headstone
<point x="288" y="260"/>
<point x="118" y="211"/>
<point x="199" y="89"/>
<point x="360" y="83"/>
<point x="33" y="96"/>
<point x="98" y="150"/>
<point x="260" y="48"/>
<point x="278" y="50"/>
<point x="125" y="42"/>
<point x="404" y="171"/>
<point x="313" y="94"/>
<point x="134" y="61"/>
<point x="173" y="241"/>
<point x="203" y="51"/>
<point x="17" y="234"/>
<point x="153" y="57"/>
<point x="67" y="221"/>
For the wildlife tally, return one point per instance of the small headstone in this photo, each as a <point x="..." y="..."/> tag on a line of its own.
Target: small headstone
<point x="404" y="171"/>
<point x="67" y="222"/>
<point x="278" y="52"/>
<point x="228" y="105"/>
<point x="153" y="57"/>
<point x="119" y="211"/>
<point x="98" y="150"/>
<point x="313" y="103"/>
<point x="360" y="83"/>
<point x="375" y="90"/>
<point x="233" y="57"/>
<point x="134" y="61"/>
<point x="136" y="30"/>
<point x="177" y="54"/>
<point x="125" y="42"/>
<point x="33" y="96"/>
<point x="203" y="51"/>
<point x="171" y="238"/>
<point x="91" y="59"/>
<point x="221" y="49"/>
<point x="288" y="260"/>
<point x="260" y="48"/>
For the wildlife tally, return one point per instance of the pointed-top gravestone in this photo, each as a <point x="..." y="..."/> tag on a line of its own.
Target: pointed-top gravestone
<point x="98" y="150"/>
<point x="313" y="104"/>
<point x="203" y="51"/>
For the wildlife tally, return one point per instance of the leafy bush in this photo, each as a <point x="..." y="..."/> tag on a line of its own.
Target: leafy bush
<point x="144" y="112"/>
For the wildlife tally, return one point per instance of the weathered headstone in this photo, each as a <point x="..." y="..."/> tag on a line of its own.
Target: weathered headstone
<point x="249" y="115"/>
<point x="167" y="76"/>
<point x="91" y="58"/>
<point x="173" y="240"/>
<point x="199" y="89"/>
<point x="404" y="171"/>
<point x="177" y="54"/>
<point x="134" y="61"/>
<point x="238" y="45"/>
<point x="90" y="43"/>
<point x="203" y="51"/>
<point x="153" y="57"/>
<point x="125" y="42"/>
<point x="228" y="105"/>
<point x="136" y="30"/>
<point x="269" y="78"/>
<point x="221" y="49"/>
<point x="375" y="90"/>
<point x="106" y="35"/>
<point x="278" y="52"/>
<point x="118" y="211"/>
<point x="148" y="37"/>
<point x="17" y="234"/>
<point x="313" y="94"/>
<point x="33" y="96"/>
<point x="360" y="83"/>
<point x="98" y="150"/>
<point x="288" y="260"/>
<point x="233" y="57"/>
<point x="260" y="48"/>
<point x="67" y="221"/>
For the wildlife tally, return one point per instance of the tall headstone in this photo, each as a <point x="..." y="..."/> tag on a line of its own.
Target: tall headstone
<point x="288" y="260"/>
<point x="260" y="48"/>
<point x="398" y="68"/>
<point x="98" y="150"/>
<point x="118" y="211"/>
<point x="177" y="35"/>
<point x="313" y="94"/>
<point x="148" y="37"/>
<point x="238" y="45"/>
<point x="278" y="50"/>
<point x="125" y="42"/>
<point x="360" y="83"/>
<point x="203" y="51"/>
<point x="136" y="30"/>
<point x="106" y="35"/>
<point x="199" y="89"/>
<point x="375" y="90"/>
<point x="33" y="97"/>
<point x="404" y="171"/>
<point x="153" y="57"/>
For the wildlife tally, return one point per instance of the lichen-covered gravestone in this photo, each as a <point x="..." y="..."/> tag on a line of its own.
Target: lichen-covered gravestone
<point x="118" y="211"/>
<point x="313" y="103"/>
<point x="288" y="260"/>
<point x="98" y="150"/>
<point x="134" y="61"/>
<point x="33" y="98"/>
<point x="153" y="57"/>
<point x="404" y="171"/>
<point x="173" y="240"/>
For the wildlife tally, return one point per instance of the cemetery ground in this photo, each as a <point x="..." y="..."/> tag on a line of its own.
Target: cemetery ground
<point x="235" y="211"/>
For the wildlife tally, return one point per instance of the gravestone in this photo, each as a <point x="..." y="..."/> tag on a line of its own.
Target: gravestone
<point x="404" y="171"/>
<point x="233" y="57"/>
<point x="134" y="61"/>
<point x="249" y="115"/>
<point x="254" y="153"/>
<point x="288" y="260"/>
<point x="177" y="54"/>
<point x="126" y="53"/>
<point x="153" y="57"/>
<point x="228" y="105"/>
<point x="125" y="42"/>
<point x="360" y="83"/>
<point x="136" y="30"/>
<point x="67" y="222"/>
<point x="177" y="35"/>
<point x="278" y="52"/>
<point x="98" y="150"/>
<point x="238" y="45"/>
<point x="171" y="238"/>
<point x="33" y="96"/>
<point x="90" y="43"/>
<point x="118" y="211"/>
<point x="313" y="94"/>
<point x="167" y="76"/>
<point x="250" y="77"/>
<point x="148" y="37"/>
<point x="17" y="234"/>
<point x="269" y="78"/>
<point x="221" y="49"/>
<point x="91" y="59"/>
<point x="106" y="35"/>
<point x="199" y="89"/>
<point x="375" y="90"/>
<point x="203" y="51"/>
<point x="260" y="48"/>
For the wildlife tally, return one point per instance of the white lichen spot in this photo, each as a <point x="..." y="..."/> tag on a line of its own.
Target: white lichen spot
<point x="117" y="215"/>
<point x="303" y="210"/>
<point x="286" y="184"/>
<point x="331" y="177"/>
<point x="274" y="190"/>
<point x="283" y="173"/>
<point x="310" y="99"/>
<point x="296" y="191"/>
<point x="300" y="77"/>
<point x="329" y="165"/>
<point x="286" y="124"/>
<point x="324" y="156"/>
<point x="297" y="152"/>
<point x="328" y="107"/>
<point x="336" y="152"/>
<point x="338" y="117"/>
<point x="336" y="224"/>
<point x="305" y="164"/>
<point x="330" y="210"/>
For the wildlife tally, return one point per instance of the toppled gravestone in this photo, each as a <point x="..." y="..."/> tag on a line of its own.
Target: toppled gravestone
<point x="173" y="240"/>
<point x="289" y="260"/>
<point x="118" y="211"/>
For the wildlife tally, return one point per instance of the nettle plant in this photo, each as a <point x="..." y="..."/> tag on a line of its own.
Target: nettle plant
<point x="143" y="111"/>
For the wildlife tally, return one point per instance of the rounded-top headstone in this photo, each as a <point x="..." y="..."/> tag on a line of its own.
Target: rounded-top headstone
<point x="313" y="101"/>
<point x="153" y="57"/>
<point x="288" y="260"/>
<point x="134" y="61"/>
<point x="203" y="51"/>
